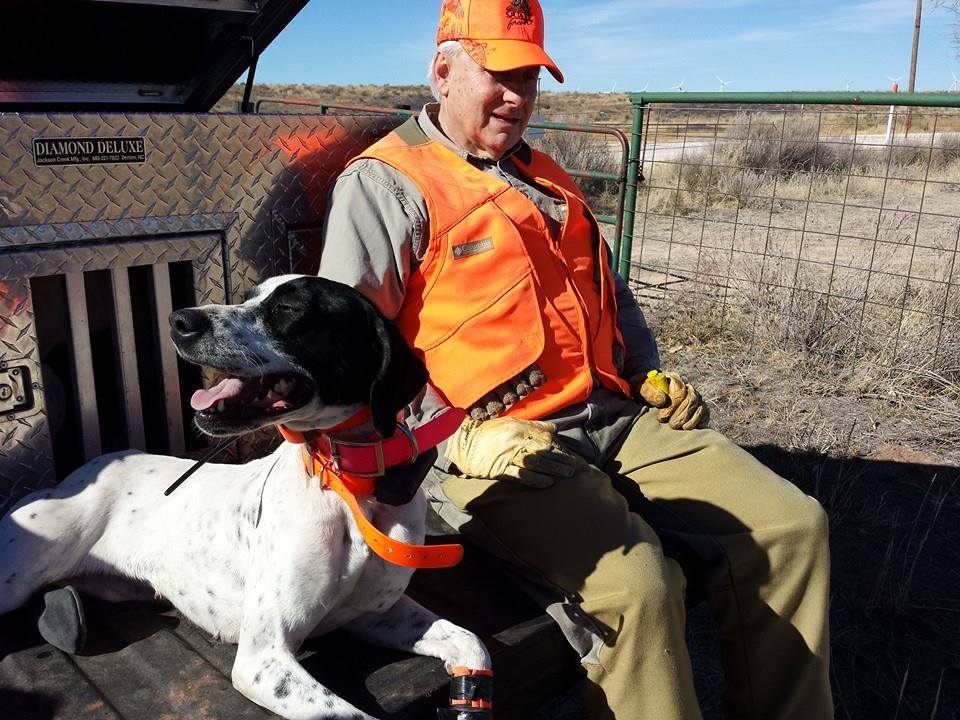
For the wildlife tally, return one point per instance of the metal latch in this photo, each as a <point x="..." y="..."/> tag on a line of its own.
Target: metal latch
<point x="15" y="391"/>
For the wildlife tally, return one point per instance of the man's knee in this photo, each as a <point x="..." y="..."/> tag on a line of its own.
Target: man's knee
<point x="799" y="549"/>
<point x="645" y="586"/>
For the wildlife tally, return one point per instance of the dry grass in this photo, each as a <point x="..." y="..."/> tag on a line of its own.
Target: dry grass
<point x="603" y="108"/>
<point x="379" y="95"/>
<point x="757" y="160"/>
<point x="826" y="268"/>
<point x="821" y="367"/>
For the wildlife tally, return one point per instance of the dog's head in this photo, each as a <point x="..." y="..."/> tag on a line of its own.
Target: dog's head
<point x="300" y="350"/>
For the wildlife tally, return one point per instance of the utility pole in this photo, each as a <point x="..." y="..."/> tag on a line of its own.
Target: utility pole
<point x="913" y="59"/>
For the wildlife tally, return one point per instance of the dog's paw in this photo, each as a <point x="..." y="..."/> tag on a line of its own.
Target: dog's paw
<point x="464" y="649"/>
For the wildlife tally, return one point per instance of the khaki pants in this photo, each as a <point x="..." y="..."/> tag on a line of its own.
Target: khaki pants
<point x="759" y="542"/>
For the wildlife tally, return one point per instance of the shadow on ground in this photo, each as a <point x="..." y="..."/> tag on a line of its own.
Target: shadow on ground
<point x="895" y="607"/>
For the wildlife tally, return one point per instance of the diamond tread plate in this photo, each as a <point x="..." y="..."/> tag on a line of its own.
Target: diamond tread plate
<point x="59" y="260"/>
<point x="26" y="456"/>
<point x="246" y="178"/>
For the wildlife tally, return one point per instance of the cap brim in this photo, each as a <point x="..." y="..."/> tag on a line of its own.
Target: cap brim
<point x="503" y="55"/>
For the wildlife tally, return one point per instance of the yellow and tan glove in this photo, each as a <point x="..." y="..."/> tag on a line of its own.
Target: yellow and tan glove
<point x="504" y="448"/>
<point x="679" y="403"/>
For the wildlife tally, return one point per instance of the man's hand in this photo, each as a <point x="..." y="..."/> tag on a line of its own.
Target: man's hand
<point x="652" y="388"/>
<point x="505" y="448"/>
<point x="679" y="403"/>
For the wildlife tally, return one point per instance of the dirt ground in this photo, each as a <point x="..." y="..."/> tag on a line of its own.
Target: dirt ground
<point x="851" y="298"/>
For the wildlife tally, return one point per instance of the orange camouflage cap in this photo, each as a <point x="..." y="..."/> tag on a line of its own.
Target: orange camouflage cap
<point x="498" y="34"/>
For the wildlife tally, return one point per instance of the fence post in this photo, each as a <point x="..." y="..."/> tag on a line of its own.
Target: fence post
<point x="625" y="251"/>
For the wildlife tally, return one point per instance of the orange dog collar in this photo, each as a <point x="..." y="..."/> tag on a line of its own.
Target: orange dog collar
<point x="332" y="460"/>
<point x="393" y="551"/>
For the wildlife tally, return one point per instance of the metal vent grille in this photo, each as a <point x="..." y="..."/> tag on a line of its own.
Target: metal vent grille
<point x="111" y="379"/>
<point x="102" y="372"/>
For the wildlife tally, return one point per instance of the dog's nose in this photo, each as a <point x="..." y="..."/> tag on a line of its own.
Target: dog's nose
<point x="188" y="324"/>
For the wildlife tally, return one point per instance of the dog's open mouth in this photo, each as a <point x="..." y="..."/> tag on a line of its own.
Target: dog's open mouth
<point x="235" y="397"/>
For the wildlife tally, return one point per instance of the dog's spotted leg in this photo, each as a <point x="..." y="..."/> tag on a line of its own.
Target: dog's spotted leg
<point x="274" y="679"/>
<point x="290" y="589"/>
<point x="411" y="627"/>
<point x="271" y="677"/>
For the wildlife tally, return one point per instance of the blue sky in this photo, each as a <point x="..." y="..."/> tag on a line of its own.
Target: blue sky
<point x="627" y="44"/>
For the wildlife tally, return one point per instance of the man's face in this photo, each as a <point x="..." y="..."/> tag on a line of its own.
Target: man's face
<point x="485" y="112"/>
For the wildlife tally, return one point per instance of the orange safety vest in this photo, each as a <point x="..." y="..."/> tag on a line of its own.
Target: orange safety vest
<point x="495" y="292"/>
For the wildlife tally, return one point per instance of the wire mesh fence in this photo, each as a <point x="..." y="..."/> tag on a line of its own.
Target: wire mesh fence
<point x="827" y="227"/>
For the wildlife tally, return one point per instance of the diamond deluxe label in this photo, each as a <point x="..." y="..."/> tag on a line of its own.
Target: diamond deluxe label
<point x="88" y="151"/>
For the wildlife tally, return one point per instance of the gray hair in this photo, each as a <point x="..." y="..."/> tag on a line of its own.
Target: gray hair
<point x="450" y="50"/>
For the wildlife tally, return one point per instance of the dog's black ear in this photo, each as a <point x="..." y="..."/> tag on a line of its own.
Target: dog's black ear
<point x="400" y="378"/>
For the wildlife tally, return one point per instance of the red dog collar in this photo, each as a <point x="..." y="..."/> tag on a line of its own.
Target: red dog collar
<point x="349" y="468"/>
<point x="371" y="458"/>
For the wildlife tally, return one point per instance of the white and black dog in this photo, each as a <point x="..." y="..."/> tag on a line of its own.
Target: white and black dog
<point x="255" y="554"/>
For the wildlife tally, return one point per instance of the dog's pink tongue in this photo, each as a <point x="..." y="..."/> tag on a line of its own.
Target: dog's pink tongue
<point x="227" y="388"/>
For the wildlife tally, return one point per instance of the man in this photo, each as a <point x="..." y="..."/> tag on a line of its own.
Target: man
<point x="493" y="266"/>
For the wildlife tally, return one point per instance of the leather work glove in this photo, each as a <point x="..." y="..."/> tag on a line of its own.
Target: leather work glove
<point x="679" y="403"/>
<point x="505" y="448"/>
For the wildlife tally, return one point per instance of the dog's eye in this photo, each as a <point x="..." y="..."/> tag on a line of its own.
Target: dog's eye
<point x="281" y="310"/>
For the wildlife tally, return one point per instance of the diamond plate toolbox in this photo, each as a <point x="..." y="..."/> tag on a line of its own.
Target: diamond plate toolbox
<point x="109" y="221"/>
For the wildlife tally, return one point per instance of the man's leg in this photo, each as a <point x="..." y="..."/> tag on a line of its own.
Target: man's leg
<point x="764" y="544"/>
<point x="580" y="538"/>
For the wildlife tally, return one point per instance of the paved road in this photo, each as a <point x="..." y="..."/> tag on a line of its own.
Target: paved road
<point x="674" y="150"/>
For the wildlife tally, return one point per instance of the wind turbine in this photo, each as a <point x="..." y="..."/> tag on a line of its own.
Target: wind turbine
<point x="679" y="86"/>
<point x="956" y="82"/>
<point x="644" y="88"/>
<point x="723" y="83"/>
<point x="847" y="86"/>
<point x="895" y="80"/>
